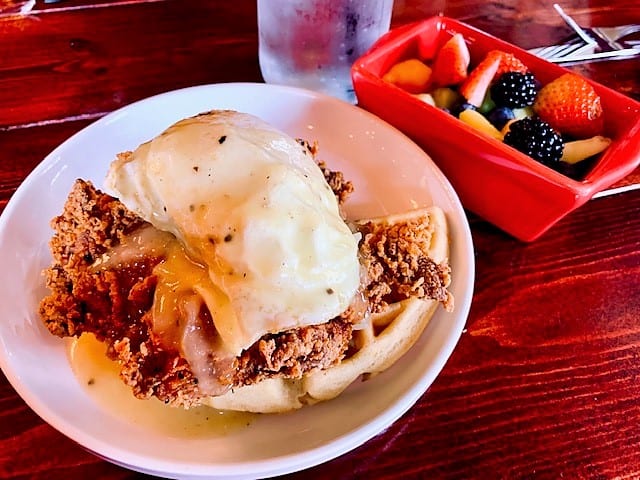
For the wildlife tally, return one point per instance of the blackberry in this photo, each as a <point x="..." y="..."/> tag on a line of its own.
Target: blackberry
<point x="514" y="90"/>
<point x="537" y="139"/>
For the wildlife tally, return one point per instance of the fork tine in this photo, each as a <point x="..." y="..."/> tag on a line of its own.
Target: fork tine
<point x="546" y="52"/>
<point x="563" y="50"/>
<point x="577" y="53"/>
<point x="553" y="51"/>
<point x="542" y="52"/>
<point x="567" y="50"/>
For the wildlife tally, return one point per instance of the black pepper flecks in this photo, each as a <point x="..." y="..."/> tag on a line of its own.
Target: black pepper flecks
<point x="196" y="168"/>
<point x="330" y="291"/>
<point x="192" y="208"/>
<point x="222" y="139"/>
<point x="228" y="237"/>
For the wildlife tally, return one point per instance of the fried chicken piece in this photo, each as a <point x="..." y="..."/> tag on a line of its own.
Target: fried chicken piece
<point x="320" y="346"/>
<point x="341" y="187"/>
<point x="111" y="304"/>
<point x="396" y="267"/>
<point x="115" y="304"/>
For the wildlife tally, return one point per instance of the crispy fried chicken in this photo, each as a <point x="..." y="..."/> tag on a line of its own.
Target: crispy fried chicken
<point x="115" y="303"/>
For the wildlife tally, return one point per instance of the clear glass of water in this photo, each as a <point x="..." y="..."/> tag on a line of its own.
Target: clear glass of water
<point x="313" y="43"/>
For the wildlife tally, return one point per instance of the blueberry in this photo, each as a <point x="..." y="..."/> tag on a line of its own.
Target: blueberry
<point x="499" y="116"/>
<point x="461" y="107"/>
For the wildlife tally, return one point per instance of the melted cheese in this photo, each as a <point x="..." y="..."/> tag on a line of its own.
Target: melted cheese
<point x="184" y="300"/>
<point x="254" y="210"/>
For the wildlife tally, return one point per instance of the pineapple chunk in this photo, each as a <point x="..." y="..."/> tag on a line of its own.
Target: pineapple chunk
<point x="479" y="122"/>
<point x="445" y="97"/>
<point x="426" y="98"/>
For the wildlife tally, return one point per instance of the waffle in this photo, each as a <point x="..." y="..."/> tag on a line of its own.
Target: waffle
<point x="385" y="338"/>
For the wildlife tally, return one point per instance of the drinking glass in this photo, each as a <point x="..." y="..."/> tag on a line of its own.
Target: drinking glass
<point x="313" y="43"/>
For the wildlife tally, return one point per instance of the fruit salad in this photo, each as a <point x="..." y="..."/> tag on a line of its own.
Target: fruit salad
<point x="559" y="124"/>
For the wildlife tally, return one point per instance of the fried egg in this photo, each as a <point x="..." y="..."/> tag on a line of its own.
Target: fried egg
<point x="253" y="212"/>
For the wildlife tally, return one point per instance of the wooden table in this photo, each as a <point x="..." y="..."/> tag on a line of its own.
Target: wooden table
<point x="544" y="382"/>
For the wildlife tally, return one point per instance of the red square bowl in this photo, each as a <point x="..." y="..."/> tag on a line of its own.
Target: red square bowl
<point x="506" y="187"/>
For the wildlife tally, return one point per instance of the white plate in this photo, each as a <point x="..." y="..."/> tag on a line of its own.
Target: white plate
<point x="390" y="174"/>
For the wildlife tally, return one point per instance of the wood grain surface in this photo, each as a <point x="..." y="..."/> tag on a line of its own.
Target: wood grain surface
<point x="544" y="383"/>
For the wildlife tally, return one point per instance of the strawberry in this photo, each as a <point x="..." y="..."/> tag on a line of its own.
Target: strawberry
<point x="451" y="62"/>
<point x="571" y="106"/>
<point x="476" y="84"/>
<point x="508" y="62"/>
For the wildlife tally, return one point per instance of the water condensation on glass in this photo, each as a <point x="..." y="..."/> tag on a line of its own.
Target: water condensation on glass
<point x="313" y="43"/>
